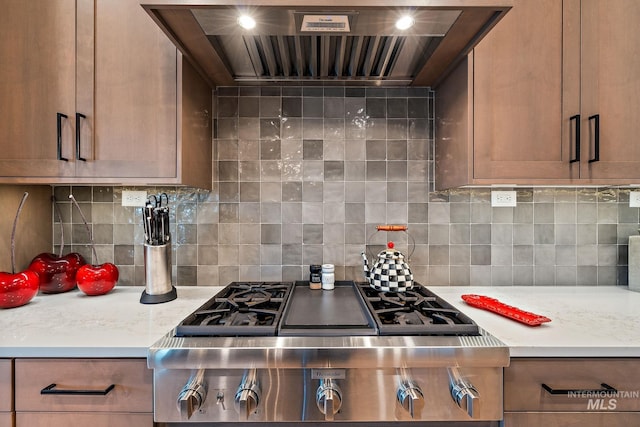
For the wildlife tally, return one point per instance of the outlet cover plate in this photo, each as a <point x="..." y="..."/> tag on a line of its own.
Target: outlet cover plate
<point x="134" y="198"/>
<point x="503" y="199"/>
<point x="634" y="199"/>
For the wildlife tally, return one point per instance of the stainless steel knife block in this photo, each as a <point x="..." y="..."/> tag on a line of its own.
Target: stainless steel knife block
<point x="157" y="274"/>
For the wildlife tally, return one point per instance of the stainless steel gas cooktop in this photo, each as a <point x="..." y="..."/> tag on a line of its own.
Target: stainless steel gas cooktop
<point x="279" y="353"/>
<point x="288" y="309"/>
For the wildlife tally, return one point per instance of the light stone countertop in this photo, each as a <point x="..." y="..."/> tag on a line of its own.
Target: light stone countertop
<point x="72" y="324"/>
<point x="586" y="321"/>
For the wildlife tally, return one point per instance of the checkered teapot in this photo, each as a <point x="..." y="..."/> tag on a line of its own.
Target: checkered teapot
<point x="390" y="273"/>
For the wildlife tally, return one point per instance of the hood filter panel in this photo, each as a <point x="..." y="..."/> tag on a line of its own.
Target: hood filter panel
<point x="322" y="57"/>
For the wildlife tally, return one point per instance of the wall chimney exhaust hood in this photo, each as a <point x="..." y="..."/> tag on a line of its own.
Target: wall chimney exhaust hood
<point x="333" y="42"/>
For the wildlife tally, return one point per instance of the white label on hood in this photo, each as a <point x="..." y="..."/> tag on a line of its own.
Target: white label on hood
<point x="324" y="23"/>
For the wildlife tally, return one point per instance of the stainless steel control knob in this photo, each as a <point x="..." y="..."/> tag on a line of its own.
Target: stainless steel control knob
<point x="463" y="392"/>
<point x="192" y="395"/>
<point x="329" y="398"/>
<point x="411" y="398"/>
<point x="247" y="397"/>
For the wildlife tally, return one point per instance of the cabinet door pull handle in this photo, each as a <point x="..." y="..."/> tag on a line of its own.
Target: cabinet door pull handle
<point x="78" y="117"/>
<point x="577" y="145"/>
<point x="51" y="389"/>
<point x="59" y="117"/>
<point x="596" y="138"/>
<point x="606" y="388"/>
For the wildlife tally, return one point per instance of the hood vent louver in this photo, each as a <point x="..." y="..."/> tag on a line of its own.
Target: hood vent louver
<point x="326" y="41"/>
<point x="324" y="57"/>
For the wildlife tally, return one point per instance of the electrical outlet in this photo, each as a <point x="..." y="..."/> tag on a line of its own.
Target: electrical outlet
<point x="503" y="199"/>
<point x="134" y="198"/>
<point x="634" y="199"/>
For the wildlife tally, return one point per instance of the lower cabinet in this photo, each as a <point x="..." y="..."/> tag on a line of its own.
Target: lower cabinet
<point x="6" y="419"/>
<point x="6" y="393"/>
<point x="555" y="392"/>
<point x="571" y="419"/>
<point x="48" y="419"/>
<point x="83" y="392"/>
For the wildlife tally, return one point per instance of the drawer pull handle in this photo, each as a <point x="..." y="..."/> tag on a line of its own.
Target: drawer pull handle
<point x="51" y="389"/>
<point x="605" y="388"/>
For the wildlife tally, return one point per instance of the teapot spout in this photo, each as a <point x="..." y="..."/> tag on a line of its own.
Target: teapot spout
<point x="365" y="265"/>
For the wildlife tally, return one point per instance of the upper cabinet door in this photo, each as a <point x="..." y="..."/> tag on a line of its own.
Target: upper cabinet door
<point x="131" y="125"/>
<point x="518" y="96"/>
<point x="611" y="89"/>
<point x="37" y="81"/>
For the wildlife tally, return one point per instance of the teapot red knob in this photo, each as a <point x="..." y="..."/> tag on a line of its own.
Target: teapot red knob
<point x="390" y="245"/>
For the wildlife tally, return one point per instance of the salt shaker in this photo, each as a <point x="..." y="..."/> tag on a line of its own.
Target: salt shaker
<point x="328" y="276"/>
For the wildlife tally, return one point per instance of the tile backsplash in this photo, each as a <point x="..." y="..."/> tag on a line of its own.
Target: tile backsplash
<point x="302" y="175"/>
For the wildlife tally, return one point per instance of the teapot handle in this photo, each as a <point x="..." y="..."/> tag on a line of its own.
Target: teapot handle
<point x="389" y="227"/>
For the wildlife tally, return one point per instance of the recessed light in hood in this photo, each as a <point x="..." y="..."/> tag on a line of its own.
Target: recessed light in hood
<point x="326" y="41"/>
<point x="246" y="22"/>
<point x="405" y="22"/>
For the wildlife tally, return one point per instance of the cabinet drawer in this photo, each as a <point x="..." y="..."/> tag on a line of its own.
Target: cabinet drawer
<point x="75" y="380"/>
<point x="6" y="384"/>
<point x="583" y="378"/>
<point x="6" y="419"/>
<point x="571" y="419"/>
<point x="57" y="419"/>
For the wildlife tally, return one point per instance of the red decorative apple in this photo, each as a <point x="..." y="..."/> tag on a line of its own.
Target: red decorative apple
<point x="57" y="272"/>
<point x="17" y="289"/>
<point x="95" y="279"/>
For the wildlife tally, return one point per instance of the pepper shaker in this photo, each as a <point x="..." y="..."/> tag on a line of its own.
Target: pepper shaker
<point x="315" y="277"/>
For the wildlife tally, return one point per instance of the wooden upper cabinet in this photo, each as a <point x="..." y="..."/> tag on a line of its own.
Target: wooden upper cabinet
<point x="37" y="81"/>
<point x="517" y="102"/>
<point x="116" y="76"/>
<point x="534" y="89"/>
<point x="131" y="128"/>
<point x="611" y="89"/>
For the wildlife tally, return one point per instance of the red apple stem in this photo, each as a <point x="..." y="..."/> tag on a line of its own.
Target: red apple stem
<point x="56" y="208"/>
<point x="13" y="233"/>
<point x="86" y="224"/>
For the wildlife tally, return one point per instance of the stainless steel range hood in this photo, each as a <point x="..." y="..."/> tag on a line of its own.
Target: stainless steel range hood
<point x="351" y="42"/>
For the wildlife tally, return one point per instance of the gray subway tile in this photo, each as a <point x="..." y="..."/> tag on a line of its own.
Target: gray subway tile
<point x="271" y="234"/>
<point x="480" y="254"/>
<point x="334" y="170"/>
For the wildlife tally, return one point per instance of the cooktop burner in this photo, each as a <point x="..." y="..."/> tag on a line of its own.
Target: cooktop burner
<point x="288" y="309"/>
<point x="242" y="308"/>
<point x="417" y="311"/>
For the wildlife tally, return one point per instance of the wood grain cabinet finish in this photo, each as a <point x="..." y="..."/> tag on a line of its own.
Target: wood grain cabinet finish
<point x="37" y="81"/>
<point x="6" y="393"/>
<point x="51" y="419"/>
<point x="576" y="392"/>
<point x="96" y="392"/>
<point x="6" y="419"/>
<point x="544" y="99"/>
<point x="117" y="80"/>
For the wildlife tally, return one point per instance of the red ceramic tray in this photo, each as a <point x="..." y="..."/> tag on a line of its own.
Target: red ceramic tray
<point x="494" y="305"/>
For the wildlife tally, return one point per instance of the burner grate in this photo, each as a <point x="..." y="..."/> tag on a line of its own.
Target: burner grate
<point x="240" y="309"/>
<point x="416" y="312"/>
